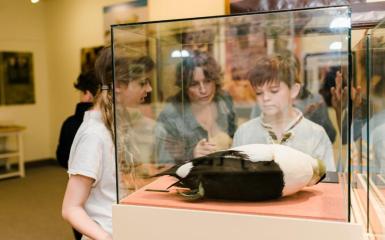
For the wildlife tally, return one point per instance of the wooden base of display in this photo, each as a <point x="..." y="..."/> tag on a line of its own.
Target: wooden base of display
<point x="316" y="213"/>
<point x="145" y="223"/>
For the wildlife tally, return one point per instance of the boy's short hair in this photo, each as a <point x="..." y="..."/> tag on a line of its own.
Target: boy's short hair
<point x="282" y="68"/>
<point x="87" y="81"/>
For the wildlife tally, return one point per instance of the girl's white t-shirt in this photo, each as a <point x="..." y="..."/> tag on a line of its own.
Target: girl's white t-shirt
<point x="92" y="155"/>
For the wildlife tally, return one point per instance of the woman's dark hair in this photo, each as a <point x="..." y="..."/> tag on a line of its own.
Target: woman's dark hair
<point x="185" y="71"/>
<point x="328" y="83"/>
<point x="378" y="65"/>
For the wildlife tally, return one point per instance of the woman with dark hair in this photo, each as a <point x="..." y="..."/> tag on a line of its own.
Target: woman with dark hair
<point x="199" y="119"/>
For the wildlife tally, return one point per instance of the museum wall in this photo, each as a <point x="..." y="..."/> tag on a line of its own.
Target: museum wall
<point x="174" y="9"/>
<point x="74" y="24"/>
<point x="55" y="31"/>
<point x="71" y="25"/>
<point x="23" y="29"/>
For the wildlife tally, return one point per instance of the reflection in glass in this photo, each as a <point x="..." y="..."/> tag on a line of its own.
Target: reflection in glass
<point x="200" y="93"/>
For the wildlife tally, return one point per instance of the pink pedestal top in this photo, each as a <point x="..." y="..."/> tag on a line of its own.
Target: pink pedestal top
<point x="323" y="201"/>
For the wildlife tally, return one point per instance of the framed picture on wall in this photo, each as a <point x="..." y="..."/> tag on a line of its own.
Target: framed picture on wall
<point x="318" y="65"/>
<point x="241" y="6"/>
<point x="244" y="43"/>
<point x="126" y="12"/>
<point x="88" y="57"/>
<point x="16" y="78"/>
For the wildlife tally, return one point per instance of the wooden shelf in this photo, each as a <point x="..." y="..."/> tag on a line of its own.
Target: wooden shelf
<point x="12" y="131"/>
<point x="9" y="154"/>
<point x="9" y="174"/>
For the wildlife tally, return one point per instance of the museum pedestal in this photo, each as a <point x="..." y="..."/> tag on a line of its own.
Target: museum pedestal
<point x="314" y="213"/>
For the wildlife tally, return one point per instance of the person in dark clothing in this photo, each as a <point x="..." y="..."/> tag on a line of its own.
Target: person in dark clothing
<point x="88" y="86"/>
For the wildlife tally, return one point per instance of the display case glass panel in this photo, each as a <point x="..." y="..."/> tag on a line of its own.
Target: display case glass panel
<point x="375" y="128"/>
<point x="358" y="134"/>
<point x="210" y="77"/>
<point x="367" y="195"/>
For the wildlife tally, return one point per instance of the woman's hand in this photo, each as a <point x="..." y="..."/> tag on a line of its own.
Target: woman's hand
<point x="338" y="93"/>
<point x="203" y="148"/>
<point x="339" y="97"/>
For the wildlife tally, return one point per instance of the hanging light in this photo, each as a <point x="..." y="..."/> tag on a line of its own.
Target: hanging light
<point x="178" y="54"/>
<point x="340" y="22"/>
<point x="335" y="46"/>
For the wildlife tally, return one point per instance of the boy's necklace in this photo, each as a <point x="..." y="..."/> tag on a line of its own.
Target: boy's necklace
<point x="286" y="135"/>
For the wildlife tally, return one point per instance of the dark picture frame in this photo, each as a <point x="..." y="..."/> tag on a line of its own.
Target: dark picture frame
<point x="16" y="78"/>
<point x="317" y="65"/>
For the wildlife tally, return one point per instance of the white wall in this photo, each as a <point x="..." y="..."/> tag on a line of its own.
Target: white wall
<point x="74" y="24"/>
<point x="175" y="9"/>
<point x="23" y="29"/>
<point x="55" y="31"/>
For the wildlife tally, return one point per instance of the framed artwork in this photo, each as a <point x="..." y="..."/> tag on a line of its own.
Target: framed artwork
<point x="88" y="57"/>
<point x="16" y="78"/>
<point x="368" y="14"/>
<point x="244" y="42"/>
<point x="242" y="6"/>
<point x="318" y="65"/>
<point x="127" y="12"/>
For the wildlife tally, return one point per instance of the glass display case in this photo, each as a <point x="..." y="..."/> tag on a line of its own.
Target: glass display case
<point x="375" y="129"/>
<point x="368" y="130"/>
<point x="188" y="88"/>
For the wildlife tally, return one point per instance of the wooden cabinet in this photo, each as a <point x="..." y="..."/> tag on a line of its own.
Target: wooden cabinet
<point x="11" y="148"/>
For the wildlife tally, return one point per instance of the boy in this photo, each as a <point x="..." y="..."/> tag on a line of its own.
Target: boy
<point x="88" y="85"/>
<point x="276" y="83"/>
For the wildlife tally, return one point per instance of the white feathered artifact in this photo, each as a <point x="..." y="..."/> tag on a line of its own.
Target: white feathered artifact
<point x="250" y="173"/>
